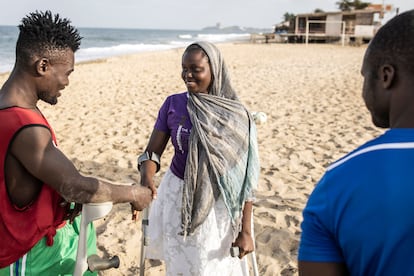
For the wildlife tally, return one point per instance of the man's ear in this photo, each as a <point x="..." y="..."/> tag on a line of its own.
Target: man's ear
<point x="42" y="65"/>
<point x="387" y="75"/>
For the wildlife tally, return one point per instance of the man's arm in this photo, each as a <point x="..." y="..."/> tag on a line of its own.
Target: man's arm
<point x="322" y="269"/>
<point x="34" y="149"/>
<point x="319" y="251"/>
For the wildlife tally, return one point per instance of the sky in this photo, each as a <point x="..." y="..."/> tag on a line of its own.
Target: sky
<point x="172" y="14"/>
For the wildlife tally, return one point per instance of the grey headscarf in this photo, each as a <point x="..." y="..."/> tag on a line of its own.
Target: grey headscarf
<point x="223" y="154"/>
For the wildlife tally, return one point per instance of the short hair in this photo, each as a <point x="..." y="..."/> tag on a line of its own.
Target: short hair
<point x="393" y="43"/>
<point x="42" y="33"/>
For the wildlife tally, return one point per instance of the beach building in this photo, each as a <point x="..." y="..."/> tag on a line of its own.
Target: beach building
<point x="355" y="26"/>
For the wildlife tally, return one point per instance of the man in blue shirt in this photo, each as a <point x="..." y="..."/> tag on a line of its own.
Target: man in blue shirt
<point x="359" y="220"/>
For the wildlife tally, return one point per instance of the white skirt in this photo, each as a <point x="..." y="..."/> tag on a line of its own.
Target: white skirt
<point x="206" y="252"/>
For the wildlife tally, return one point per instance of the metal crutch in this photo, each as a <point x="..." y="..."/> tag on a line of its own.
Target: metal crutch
<point x="253" y="255"/>
<point x="144" y="240"/>
<point x="91" y="212"/>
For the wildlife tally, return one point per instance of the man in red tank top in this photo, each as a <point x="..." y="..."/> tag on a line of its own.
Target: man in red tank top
<point x="37" y="181"/>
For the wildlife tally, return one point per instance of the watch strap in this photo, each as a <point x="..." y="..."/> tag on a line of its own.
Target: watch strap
<point x="149" y="156"/>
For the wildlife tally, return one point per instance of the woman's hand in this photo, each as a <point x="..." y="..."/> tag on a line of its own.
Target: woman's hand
<point x="245" y="244"/>
<point x="149" y="182"/>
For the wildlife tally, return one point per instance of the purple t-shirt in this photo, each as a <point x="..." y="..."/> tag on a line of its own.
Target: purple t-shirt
<point x="173" y="118"/>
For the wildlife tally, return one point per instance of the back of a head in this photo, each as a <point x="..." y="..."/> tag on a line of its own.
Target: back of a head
<point x="44" y="34"/>
<point x="393" y="43"/>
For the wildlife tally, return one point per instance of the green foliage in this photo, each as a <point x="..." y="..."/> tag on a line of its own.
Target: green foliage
<point x="288" y="16"/>
<point x="347" y="5"/>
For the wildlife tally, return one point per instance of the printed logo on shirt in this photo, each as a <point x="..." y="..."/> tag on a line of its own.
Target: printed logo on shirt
<point x="179" y="131"/>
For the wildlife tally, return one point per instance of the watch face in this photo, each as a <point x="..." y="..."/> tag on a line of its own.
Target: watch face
<point x="147" y="156"/>
<point x="143" y="157"/>
<point x="155" y="157"/>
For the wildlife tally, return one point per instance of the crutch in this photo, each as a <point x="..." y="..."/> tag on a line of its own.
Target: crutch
<point x="144" y="240"/>
<point x="253" y="255"/>
<point x="91" y="212"/>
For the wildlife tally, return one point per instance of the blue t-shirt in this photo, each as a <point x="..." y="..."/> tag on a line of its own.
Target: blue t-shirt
<point x="361" y="213"/>
<point x="173" y="118"/>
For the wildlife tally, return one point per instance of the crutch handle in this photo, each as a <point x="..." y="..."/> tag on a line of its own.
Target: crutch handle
<point x="234" y="251"/>
<point x="96" y="263"/>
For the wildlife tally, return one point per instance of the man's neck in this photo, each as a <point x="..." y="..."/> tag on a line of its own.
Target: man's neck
<point x="18" y="91"/>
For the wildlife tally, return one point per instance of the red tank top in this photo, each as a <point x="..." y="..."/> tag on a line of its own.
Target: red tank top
<point x="20" y="230"/>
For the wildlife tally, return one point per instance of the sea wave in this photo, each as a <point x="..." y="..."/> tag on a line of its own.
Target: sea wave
<point x="182" y="40"/>
<point x="223" y="37"/>
<point x="185" y="36"/>
<point x="215" y="37"/>
<point x="104" y="43"/>
<point x="117" y="50"/>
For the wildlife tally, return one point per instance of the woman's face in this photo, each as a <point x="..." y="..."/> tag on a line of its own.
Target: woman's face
<point x="196" y="71"/>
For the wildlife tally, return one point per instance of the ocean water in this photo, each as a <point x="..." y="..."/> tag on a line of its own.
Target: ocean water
<point x="101" y="42"/>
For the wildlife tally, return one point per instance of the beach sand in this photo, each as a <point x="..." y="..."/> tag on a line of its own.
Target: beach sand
<point x="315" y="114"/>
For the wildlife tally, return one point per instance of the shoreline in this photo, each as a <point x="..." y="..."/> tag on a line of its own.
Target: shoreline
<point x="105" y="59"/>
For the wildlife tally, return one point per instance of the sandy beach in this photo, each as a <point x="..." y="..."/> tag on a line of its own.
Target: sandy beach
<point x="315" y="114"/>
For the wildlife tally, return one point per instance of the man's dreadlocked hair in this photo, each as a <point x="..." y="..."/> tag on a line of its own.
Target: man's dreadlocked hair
<point x="42" y="33"/>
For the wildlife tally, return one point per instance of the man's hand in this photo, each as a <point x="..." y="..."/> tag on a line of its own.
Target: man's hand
<point x="143" y="198"/>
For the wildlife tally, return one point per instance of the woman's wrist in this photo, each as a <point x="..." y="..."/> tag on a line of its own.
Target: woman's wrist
<point x="246" y="231"/>
<point x="149" y="156"/>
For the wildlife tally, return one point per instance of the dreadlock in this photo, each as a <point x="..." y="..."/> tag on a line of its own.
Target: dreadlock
<point x="43" y="34"/>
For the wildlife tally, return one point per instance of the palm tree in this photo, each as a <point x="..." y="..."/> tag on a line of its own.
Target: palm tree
<point x="344" y="5"/>
<point x="288" y="16"/>
<point x="347" y="5"/>
<point x="359" y="5"/>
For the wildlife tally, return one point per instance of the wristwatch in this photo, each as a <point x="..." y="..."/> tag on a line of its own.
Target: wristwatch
<point x="149" y="156"/>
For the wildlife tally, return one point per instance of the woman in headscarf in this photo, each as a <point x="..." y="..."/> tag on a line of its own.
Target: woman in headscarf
<point x="204" y="201"/>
